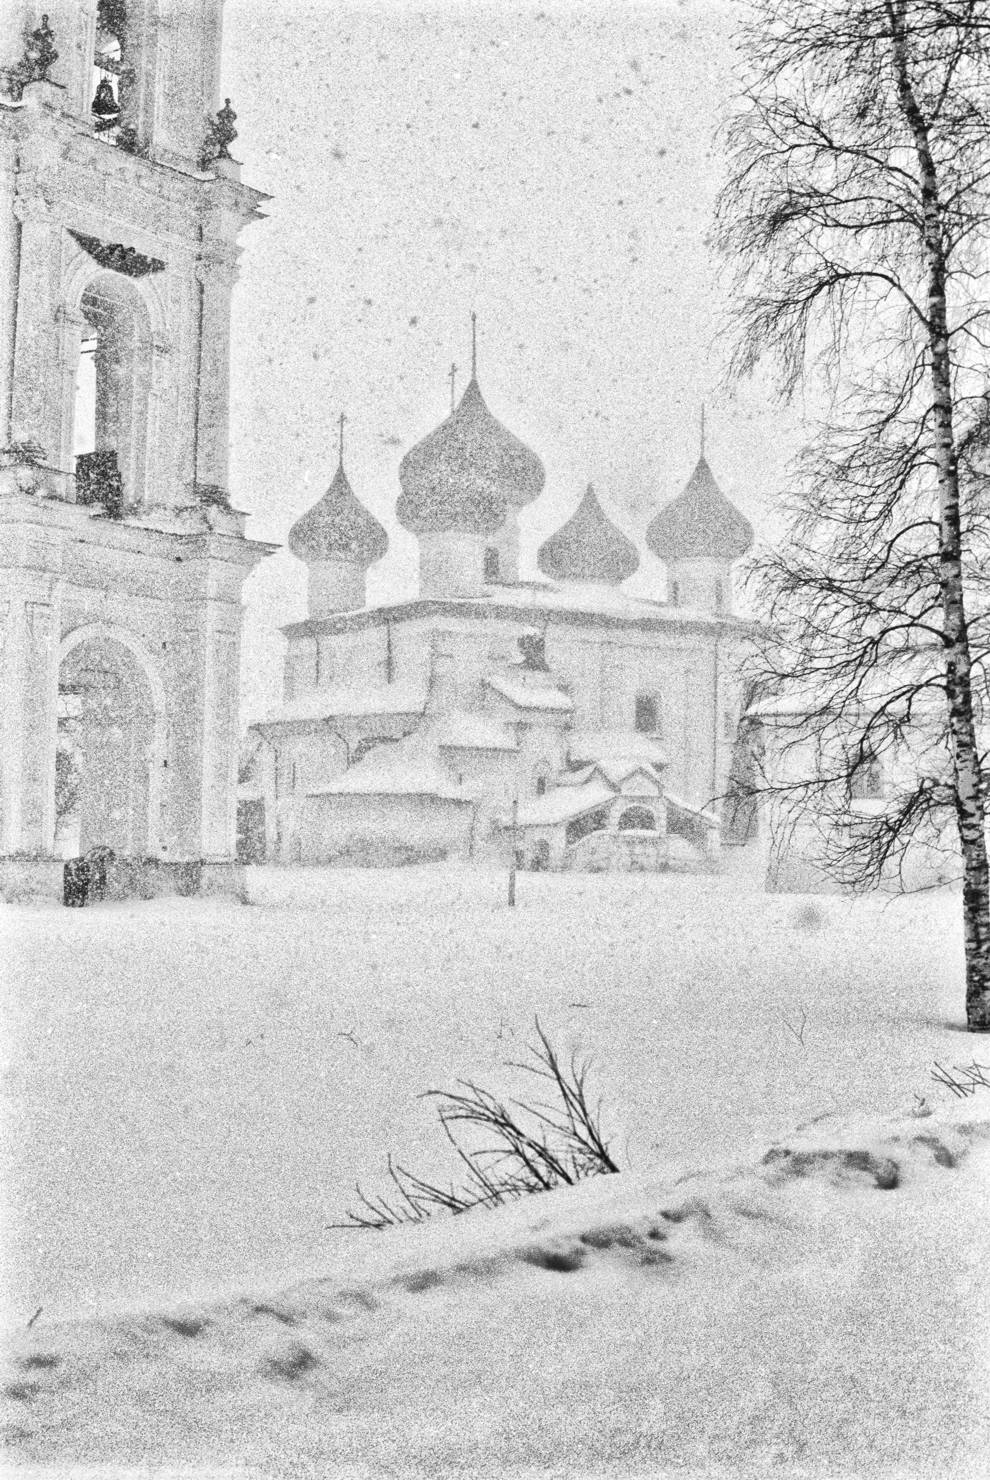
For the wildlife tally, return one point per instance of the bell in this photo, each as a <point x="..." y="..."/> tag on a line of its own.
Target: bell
<point x="105" y="105"/>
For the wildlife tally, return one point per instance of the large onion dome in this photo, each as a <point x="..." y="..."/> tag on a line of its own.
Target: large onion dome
<point x="700" y="523"/>
<point x="338" y="527"/>
<point x="465" y="475"/>
<point x="588" y="547"/>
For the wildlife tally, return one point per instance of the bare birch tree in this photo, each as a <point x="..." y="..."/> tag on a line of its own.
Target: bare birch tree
<point x="857" y="219"/>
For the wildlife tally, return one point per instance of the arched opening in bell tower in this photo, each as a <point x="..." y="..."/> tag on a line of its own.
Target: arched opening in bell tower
<point x="108" y="66"/>
<point x="105" y="751"/>
<point x="113" y="381"/>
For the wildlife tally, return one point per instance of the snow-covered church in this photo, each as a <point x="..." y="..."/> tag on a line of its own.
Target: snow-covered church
<point x="565" y="718"/>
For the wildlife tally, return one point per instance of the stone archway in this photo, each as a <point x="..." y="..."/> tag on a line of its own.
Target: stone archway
<point x="107" y="770"/>
<point x="113" y="335"/>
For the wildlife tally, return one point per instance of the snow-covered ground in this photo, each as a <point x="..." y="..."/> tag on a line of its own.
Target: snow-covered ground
<point x="191" y="1090"/>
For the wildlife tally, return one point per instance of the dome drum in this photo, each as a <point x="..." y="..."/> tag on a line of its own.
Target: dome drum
<point x="452" y="563"/>
<point x="335" y="586"/>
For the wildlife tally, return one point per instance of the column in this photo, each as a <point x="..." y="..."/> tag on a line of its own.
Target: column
<point x="70" y="329"/>
<point x="221" y="680"/>
<point x="202" y="776"/>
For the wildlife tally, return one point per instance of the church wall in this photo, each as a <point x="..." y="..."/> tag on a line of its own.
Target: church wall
<point x="358" y="660"/>
<point x="348" y="660"/>
<point x="486" y="775"/>
<point x="542" y="751"/>
<point x="604" y="667"/>
<point x="369" y="829"/>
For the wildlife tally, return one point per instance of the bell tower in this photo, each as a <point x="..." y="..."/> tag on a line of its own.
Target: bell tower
<point x="122" y="557"/>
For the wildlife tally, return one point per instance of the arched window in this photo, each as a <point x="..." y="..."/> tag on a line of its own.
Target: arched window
<point x="591" y="822"/>
<point x="675" y="593"/>
<point x="491" y="564"/>
<point x="367" y="744"/>
<point x="719" y="596"/>
<point x="647" y="714"/>
<point x="113" y="381"/>
<point x="541" y="786"/>
<point x="637" y="819"/>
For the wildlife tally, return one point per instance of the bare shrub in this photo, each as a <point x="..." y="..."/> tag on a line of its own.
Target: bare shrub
<point x="963" y="1079"/>
<point x="534" y="1147"/>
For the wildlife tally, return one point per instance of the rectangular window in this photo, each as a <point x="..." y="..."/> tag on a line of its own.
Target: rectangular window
<point x="866" y="781"/>
<point x="647" y="714"/>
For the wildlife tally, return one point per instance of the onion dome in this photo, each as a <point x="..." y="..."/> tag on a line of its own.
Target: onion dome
<point x="700" y="523"/>
<point x="588" y="547"/>
<point x="467" y="473"/>
<point x="338" y="527"/>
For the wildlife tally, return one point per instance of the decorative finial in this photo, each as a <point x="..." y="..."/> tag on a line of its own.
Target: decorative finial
<point x="702" y="428"/>
<point x="220" y="134"/>
<point x="452" y="377"/>
<point x="342" y="418"/>
<point x="474" y="346"/>
<point x="39" y="54"/>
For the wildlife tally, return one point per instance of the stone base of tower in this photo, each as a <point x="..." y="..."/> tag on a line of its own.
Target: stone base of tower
<point x="40" y="880"/>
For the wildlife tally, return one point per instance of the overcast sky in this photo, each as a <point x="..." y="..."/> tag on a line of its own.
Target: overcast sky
<point x="551" y="167"/>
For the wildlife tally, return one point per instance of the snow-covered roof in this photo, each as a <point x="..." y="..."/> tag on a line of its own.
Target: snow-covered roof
<point x="462" y="730"/>
<point x="918" y="672"/>
<point x="525" y="696"/>
<point x="593" y="597"/>
<point x="782" y="706"/>
<point x="408" y="767"/>
<point x="528" y="600"/>
<point x="700" y="812"/>
<point x="563" y="803"/>
<point x="619" y="769"/>
<point x="616" y="746"/>
<point x="348" y="703"/>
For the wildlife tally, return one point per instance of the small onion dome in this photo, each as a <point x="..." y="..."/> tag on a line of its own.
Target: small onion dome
<point x="700" y="523"/>
<point x="588" y="547"/>
<point x="338" y="527"/>
<point x="464" y="475"/>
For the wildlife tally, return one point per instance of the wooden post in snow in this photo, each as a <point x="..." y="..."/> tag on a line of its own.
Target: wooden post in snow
<point x="515" y="851"/>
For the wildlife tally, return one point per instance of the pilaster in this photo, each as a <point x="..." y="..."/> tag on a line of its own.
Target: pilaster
<point x="36" y="402"/>
<point x="216" y="279"/>
<point x="28" y="715"/>
<point x="10" y="242"/>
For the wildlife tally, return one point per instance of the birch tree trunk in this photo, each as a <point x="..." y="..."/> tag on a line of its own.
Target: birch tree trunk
<point x="969" y="794"/>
